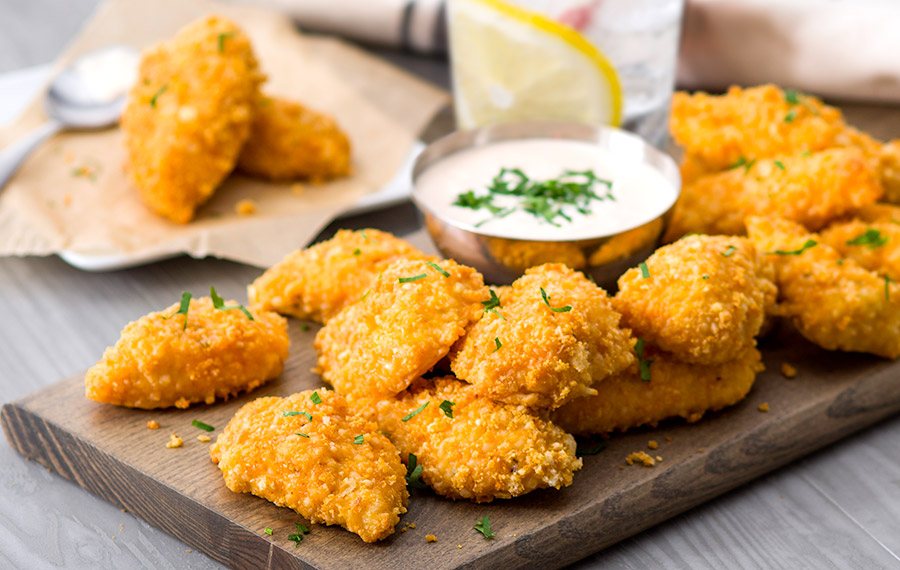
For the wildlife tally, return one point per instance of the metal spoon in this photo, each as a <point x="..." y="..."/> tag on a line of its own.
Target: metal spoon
<point x="88" y="94"/>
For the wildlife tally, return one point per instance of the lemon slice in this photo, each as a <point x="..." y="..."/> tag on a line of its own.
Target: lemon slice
<point x="514" y="64"/>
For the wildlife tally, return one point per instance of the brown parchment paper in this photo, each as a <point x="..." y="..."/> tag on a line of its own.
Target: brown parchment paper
<point x="48" y="209"/>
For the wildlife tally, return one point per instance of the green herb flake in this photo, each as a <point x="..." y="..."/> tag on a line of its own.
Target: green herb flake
<point x="413" y="278"/>
<point x="705" y="276"/>
<point x="484" y="527"/>
<point x="743" y="161"/>
<point x="840" y="261"/>
<point x="447" y="407"/>
<point x="413" y="471"/>
<point x="304" y="327"/>
<point x="590" y="445"/>
<point x="157" y="95"/>
<point x="729" y="251"/>
<point x="791" y="96"/>
<point x="546" y="298"/>
<point x="358" y="440"/>
<point x="437" y="268"/>
<point x="415" y="412"/>
<point x="201" y="425"/>
<point x="316" y="398"/>
<point x="357" y="251"/>
<point x="870" y="238"/>
<point x="645" y="271"/>
<point x="306" y="435"/>
<point x="791" y="115"/>
<point x="297" y="537"/>
<point x="806" y="245"/>
<point x="219" y="303"/>
<point x="643" y="363"/>
<point x="307" y="415"/>
<point x="183" y="308"/>
<point x="491" y="304"/>
<point x="269" y="531"/>
<point x="497" y="344"/>
<point x="779" y="164"/>
<point x="221" y="40"/>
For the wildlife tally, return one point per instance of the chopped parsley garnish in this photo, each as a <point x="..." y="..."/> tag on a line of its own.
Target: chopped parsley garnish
<point x="887" y="288"/>
<point x="358" y="440"/>
<point x="645" y="271"/>
<point x="546" y="298"/>
<point x="364" y="235"/>
<point x="447" y="407"/>
<point x="306" y="414"/>
<point x="590" y="445"/>
<point x="357" y="251"/>
<point x="201" y="425"/>
<point x="297" y="537"/>
<point x="415" y="412"/>
<point x="413" y="471"/>
<point x="791" y="115"/>
<point x="729" y="251"/>
<point x="413" y="278"/>
<point x="779" y="164"/>
<point x="806" y="245"/>
<point x="791" y="96"/>
<point x="183" y="308"/>
<point x="643" y="363"/>
<point x="491" y="304"/>
<point x="484" y="527"/>
<point x="316" y="398"/>
<point x="304" y="327"/>
<point x="157" y="95"/>
<point x="547" y="200"/>
<point x="742" y="161"/>
<point x="437" y="268"/>
<point x="268" y="531"/>
<point x="497" y="344"/>
<point x="870" y="238"/>
<point x="219" y="303"/>
<point x="306" y="435"/>
<point x="221" y="39"/>
<point x="706" y="276"/>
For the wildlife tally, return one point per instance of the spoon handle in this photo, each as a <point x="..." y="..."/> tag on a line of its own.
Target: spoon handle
<point x="15" y="154"/>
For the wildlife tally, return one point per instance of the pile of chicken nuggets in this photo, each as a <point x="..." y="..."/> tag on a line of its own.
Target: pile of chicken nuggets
<point x="477" y="390"/>
<point x="196" y="112"/>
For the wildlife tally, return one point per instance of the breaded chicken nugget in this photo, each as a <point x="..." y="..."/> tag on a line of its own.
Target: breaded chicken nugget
<point x="521" y="254"/>
<point x="188" y="115"/>
<point x="319" y="459"/>
<point x="551" y="338"/>
<point x="754" y="123"/>
<point x="873" y="245"/>
<point x="175" y="358"/>
<point x="811" y="190"/>
<point x="289" y="141"/>
<point x="831" y="300"/>
<point x="675" y="389"/>
<point x="890" y="171"/>
<point x="471" y="447"/>
<point x="317" y="282"/>
<point x="702" y="298"/>
<point x="628" y="243"/>
<point x="406" y="323"/>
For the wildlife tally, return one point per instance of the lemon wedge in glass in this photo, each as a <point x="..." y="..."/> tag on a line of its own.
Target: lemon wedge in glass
<point x="513" y="64"/>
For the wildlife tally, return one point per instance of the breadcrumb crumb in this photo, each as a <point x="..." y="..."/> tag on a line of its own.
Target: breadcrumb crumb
<point x="764" y="407"/>
<point x="204" y="438"/>
<point x="245" y="207"/>
<point x="641" y="458"/>
<point x="653" y="444"/>
<point x="174" y="441"/>
<point x="152" y="424"/>
<point x="430" y="538"/>
<point x="659" y="458"/>
<point x="788" y="370"/>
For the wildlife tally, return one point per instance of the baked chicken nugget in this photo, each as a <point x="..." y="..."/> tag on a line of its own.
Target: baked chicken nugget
<point x="471" y="447"/>
<point x="312" y="454"/>
<point x="873" y="245"/>
<point x="317" y="282"/>
<point x="522" y="254"/>
<point x="675" y="389"/>
<point x="831" y="300"/>
<point x="406" y="323"/>
<point x="189" y="114"/>
<point x="702" y="298"/>
<point x="289" y="141"/>
<point x="811" y="190"/>
<point x="548" y="341"/>
<point x="177" y="358"/>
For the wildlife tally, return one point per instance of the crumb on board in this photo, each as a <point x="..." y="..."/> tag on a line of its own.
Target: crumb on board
<point x="430" y="538"/>
<point x="245" y="207"/>
<point x="459" y="546"/>
<point x="641" y="458"/>
<point x="653" y="444"/>
<point x="659" y="458"/>
<point x="204" y="438"/>
<point x="152" y="424"/>
<point x="174" y="441"/>
<point x="764" y="407"/>
<point x="411" y="525"/>
<point x="788" y="370"/>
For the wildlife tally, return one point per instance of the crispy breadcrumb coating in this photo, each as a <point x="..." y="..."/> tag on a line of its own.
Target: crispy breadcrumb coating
<point x="159" y="362"/>
<point x="831" y="300"/>
<point x="407" y="322"/>
<point x="488" y="450"/>
<point x="289" y="141"/>
<point x="873" y="245"/>
<point x="704" y="298"/>
<point x="317" y="282"/>
<point x="675" y="389"/>
<point x="811" y="190"/>
<point x="890" y="171"/>
<point x="525" y="353"/>
<point x="521" y="254"/>
<point x="342" y="470"/>
<point x="188" y="115"/>
<point x="627" y="243"/>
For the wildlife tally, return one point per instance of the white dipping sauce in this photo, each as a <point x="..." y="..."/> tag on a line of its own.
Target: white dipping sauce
<point x="641" y="192"/>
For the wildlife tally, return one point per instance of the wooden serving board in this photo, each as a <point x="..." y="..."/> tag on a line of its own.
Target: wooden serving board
<point x="110" y="452"/>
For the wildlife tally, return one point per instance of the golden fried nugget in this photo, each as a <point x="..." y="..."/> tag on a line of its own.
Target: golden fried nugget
<point x="753" y="123"/>
<point x="289" y="141"/>
<point x="521" y="254"/>
<point x="628" y="243"/>
<point x="811" y="190"/>
<point x="831" y="300"/>
<point x="321" y="460"/>
<point x="170" y="359"/>
<point x="702" y="298"/>
<point x="873" y="245"/>
<point x="317" y="282"/>
<point x="406" y="323"/>
<point x="890" y="171"/>
<point x="525" y="352"/>
<point x="188" y="115"/>
<point x="480" y="450"/>
<point x="675" y="389"/>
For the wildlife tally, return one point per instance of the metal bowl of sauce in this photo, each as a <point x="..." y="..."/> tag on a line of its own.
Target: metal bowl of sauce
<point x="507" y="197"/>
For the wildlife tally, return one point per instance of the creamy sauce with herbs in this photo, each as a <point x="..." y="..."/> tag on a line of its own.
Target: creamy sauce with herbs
<point x="637" y="193"/>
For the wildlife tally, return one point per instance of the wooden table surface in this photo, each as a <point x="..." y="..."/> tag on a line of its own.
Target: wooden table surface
<point x="839" y="508"/>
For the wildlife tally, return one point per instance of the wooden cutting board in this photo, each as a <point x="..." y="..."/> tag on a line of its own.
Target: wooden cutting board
<point x="110" y="452"/>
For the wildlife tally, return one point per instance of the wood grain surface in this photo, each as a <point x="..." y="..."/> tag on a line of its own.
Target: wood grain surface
<point x="110" y="452"/>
